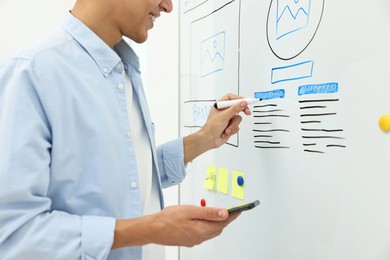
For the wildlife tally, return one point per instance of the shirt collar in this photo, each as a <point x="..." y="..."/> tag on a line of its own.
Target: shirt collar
<point x="105" y="57"/>
<point x="127" y="54"/>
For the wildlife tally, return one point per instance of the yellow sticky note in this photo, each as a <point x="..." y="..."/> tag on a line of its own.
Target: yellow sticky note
<point x="223" y="180"/>
<point x="210" y="180"/>
<point x="237" y="190"/>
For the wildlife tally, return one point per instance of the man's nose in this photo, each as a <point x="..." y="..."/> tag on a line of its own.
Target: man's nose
<point x="166" y="6"/>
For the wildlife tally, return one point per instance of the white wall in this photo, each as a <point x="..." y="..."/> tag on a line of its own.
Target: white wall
<point x="22" y="22"/>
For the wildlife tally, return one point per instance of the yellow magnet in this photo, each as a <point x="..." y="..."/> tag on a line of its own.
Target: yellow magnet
<point x="384" y="123"/>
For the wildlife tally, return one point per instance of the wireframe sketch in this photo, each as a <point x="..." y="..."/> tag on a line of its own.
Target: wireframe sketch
<point x="320" y="123"/>
<point x="292" y="25"/>
<point x="214" y="58"/>
<point x="271" y="121"/>
<point x="212" y="54"/>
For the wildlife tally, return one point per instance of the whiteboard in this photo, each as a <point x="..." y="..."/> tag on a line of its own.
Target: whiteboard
<point x="312" y="151"/>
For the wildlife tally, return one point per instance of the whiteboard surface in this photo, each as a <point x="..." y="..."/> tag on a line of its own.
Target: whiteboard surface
<point x="312" y="151"/>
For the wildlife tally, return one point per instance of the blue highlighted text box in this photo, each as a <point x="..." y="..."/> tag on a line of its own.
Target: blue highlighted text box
<point x="325" y="88"/>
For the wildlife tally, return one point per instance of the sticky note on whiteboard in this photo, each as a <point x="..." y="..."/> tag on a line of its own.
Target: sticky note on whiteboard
<point x="211" y="176"/>
<point x="223" y="180"/>
<point x="237" y="190"/>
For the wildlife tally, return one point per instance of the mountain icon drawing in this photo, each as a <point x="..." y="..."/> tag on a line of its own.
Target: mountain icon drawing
<point x="291" y="16"/>
<point x="212" y="54"/>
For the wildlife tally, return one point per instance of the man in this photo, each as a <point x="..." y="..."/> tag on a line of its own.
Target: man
<point x="80" y="175"/>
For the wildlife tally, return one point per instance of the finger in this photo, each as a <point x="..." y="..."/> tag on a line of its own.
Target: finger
<point x="213" y="234"/>
<point x="229" y="132"/>
<point x="217" y="227"/>
<point x="233" y="125"/>
<point x="235" y="109"/>
<point x="211" y="214"/>
<point x="233" y="216"/>
<point x="247" y="111"/>
<point x="229" y="96"/>
<point x="235" y="121"/>
<point x="240" y="106"/>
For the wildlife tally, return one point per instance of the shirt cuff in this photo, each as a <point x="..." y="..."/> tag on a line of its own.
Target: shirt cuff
<point x="171" y="162"/>
<point x="97" y="236"/>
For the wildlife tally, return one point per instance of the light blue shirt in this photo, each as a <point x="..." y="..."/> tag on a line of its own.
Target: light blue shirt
<point x="67" y="163"/>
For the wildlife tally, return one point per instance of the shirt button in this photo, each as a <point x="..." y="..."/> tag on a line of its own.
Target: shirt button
<point x="119" y="66"/>
<point x="133" y="184"/>
<point x="120" y="86"/>
<point x="105" y="70"/>
<point x="128" y="134"/>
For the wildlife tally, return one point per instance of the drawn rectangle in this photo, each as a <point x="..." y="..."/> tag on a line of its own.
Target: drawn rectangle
<point x="214" y="53"/>
<point x="292" y="72"/>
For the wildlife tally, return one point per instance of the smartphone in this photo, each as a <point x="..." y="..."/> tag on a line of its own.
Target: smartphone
<point x="244" y="207"/>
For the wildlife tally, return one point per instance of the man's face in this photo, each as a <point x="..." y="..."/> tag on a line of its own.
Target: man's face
<point x="136" y="17"/>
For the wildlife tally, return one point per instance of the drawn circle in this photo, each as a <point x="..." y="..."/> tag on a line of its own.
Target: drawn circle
<point x="292" y="27"/>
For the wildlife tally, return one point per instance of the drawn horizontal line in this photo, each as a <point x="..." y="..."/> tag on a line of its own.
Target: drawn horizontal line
<point x="311" y="144"/>
<point x="311" y="107"/>
<point x="271" y="116"/>
<point x="263" y="123"/>
<point x="322" y="130"/>
<point x="323" y="114"/>
<point x="313" y="151"/>
<point x="336" y="145"/>
<point x="271" y="130"/>
<point x="318" y="100"/>
<point x="310" y="122"/>
<point x="267" y="142"/>
<point x="322" y="137"/>
<point x="194" y="7"/>
<point x="272" y="147"/>
<point x="199" y="101"/>
<point x="262" y="136"/>
<point x="212" y="11"/>
<point x="268" y="111"/>
<point x="265" y="105"/>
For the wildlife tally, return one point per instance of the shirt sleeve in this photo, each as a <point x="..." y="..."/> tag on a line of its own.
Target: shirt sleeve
<point x="171" y="162"/>
<point x="29" y="227"/>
